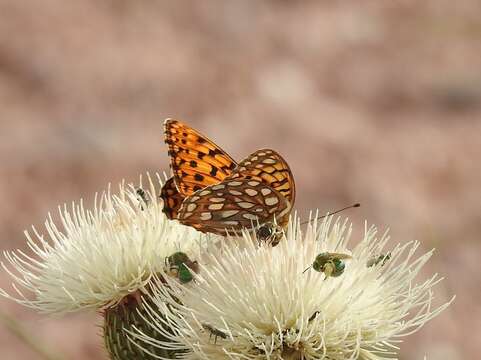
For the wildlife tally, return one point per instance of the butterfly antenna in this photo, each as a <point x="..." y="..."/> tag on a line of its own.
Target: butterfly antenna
<point x="335" y="212"/>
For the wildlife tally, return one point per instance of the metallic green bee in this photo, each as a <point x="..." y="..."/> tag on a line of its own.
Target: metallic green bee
<point x="180" y="265"/>
<point x="331" y="264"/>
<point x="213" y="331"/>
<point x="378" y="259"/>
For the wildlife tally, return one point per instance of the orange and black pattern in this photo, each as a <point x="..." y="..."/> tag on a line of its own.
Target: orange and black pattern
<point x="233" y="205"/>
<point x="210" y="192"/>
<point x="269" y="167"/>
<point x="196" y="161"/>
<point x="172" y="199"/>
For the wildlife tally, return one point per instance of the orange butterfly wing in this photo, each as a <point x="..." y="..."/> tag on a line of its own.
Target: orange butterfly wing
<point x="233" y="204"/>
<point x="268" y="166"/>
<point x="196" y="161"/>
<point x="210" y="192"/>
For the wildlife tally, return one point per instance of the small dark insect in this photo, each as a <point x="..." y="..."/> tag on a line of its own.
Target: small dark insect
<point x="143" y="198"/>
<point x="378" y="259"/>
<point x="313" y="316"/>
<point x="331" y="264"/>
<point x="214" y="332"/>
<point x="180" y="265"/>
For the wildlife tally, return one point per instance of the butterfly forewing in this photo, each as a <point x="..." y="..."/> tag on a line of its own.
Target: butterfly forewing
<point x="268" y="166"/>
<point x="196" y="161"/>
<point x="233" y="204"/>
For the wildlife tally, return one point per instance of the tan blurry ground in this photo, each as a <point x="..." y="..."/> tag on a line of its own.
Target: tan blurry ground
<point x="370" y="101"/>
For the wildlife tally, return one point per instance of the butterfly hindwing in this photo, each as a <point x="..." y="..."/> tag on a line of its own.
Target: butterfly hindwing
<point x="172" y="198"/>
<point x="233" y="204"/>
<point x="196" y="161"/>
<point x="268" y="166"/>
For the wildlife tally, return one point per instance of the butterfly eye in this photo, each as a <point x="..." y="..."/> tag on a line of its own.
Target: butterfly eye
<point x="270" y="233"/>
<point x="264" y="232"/>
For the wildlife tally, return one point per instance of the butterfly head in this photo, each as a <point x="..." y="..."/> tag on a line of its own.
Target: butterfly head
<point x="270" y="233"/>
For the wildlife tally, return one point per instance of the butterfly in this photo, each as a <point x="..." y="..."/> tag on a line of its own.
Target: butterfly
<point x="212" y="193"/>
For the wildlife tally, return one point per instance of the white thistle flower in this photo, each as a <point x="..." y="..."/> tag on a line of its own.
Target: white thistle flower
<point x="253" y="302"/>
<point x="98" y="257"/>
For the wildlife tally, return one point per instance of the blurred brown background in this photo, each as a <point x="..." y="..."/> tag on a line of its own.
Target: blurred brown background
<point x="370" y="101"/>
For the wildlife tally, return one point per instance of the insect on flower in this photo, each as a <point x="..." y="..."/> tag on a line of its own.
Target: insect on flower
<point x="212" y="193"/>
<point x="180" y="265"/>
<point x="314" y="315"/>
<point x="214" y="332"/>
<point x="380" y="259"/>
<point x="331" y="264"/>
<point x="142" y="197"/>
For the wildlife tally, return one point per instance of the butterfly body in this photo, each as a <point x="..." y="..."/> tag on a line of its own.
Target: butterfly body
<point x="212" y="193"/>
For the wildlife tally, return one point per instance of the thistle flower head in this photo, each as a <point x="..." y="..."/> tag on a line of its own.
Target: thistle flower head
<point x="258" y="302"/>
<point x="99" y="256"/>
